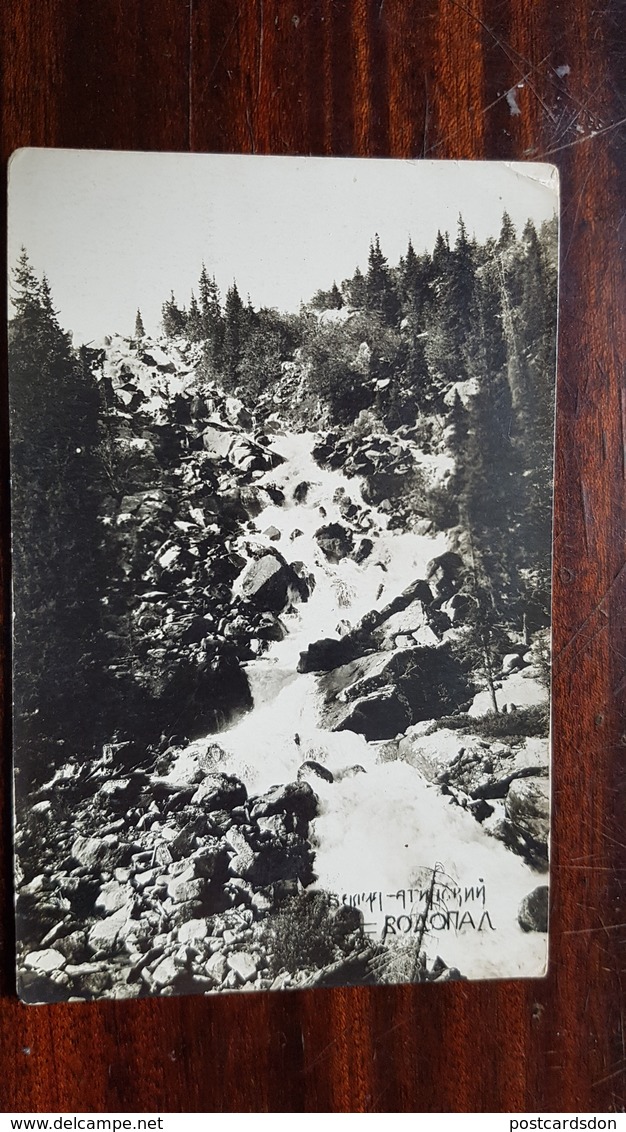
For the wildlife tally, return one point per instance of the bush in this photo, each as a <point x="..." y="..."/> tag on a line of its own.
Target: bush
<point x="298" y="936"/>
<point x="531" y="722"/>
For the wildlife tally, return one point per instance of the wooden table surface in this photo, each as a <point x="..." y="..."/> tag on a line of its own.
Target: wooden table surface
<point x="402" y="78"/>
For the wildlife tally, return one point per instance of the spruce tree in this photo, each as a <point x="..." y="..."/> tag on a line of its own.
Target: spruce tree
<point x="139" y="327"/>
<point x="57" y="538"/>
<point x="194" y="320"/>
<point x="233" y="334"/>
<point x="381" y="296"/>
<point x="174" y="318"/>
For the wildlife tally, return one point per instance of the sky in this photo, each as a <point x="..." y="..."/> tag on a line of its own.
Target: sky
<point x="117" y="231"/>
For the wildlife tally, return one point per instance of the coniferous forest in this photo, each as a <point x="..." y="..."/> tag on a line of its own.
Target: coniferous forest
<point x="352" y="501"/>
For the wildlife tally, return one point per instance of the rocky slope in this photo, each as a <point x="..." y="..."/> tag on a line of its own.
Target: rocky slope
<point x="283" y="624"/>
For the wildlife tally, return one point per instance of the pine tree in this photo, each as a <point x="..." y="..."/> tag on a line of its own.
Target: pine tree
<point x="139" y="327"/>
<point x="194" y="321"/>
<point x="211" y="318"/>
<point x="57" y="538"/>
<point x="507" y="233"/>
<point x="233" y="333"/>
<point x="411" y="283"/>
<point x="381" y="296"/>
<point x="174" y="318"/>
<point x="355" y="290"/>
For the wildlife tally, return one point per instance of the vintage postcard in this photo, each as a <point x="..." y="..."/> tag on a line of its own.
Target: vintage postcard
<point x="281" y="460"/>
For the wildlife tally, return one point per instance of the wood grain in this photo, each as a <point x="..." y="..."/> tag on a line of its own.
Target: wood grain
<point x="405" y="78"/>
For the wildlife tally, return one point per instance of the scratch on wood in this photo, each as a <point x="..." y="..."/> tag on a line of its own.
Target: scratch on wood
<point x="586" y="138"/>
<point x="426" y="117"/>
<point x="587" y="519"/>
<point x="190" y="81"/>
<point x="623" y="437"/>
<point x="223" y="48"/>
<point x="261" y="30"/>
<point x="596" y="609"/>
<point x="250" y="131"/>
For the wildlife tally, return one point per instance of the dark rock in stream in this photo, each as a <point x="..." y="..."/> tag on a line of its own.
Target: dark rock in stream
<point x="335" y="541"/>
<point x="380" y="695"/>
<point x="329" y="653"/>
<point x="270" y="583"/>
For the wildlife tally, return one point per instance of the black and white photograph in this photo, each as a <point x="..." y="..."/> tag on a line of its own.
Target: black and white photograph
<point x="281" y="498"/>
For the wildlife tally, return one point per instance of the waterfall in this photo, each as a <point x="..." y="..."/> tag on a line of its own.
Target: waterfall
<point x="382" y="828"/>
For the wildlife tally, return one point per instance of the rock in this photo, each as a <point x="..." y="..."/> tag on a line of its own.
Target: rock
<point x="48" y="960"/>
<point x="409" y="620"/>
<point x="444" y="574"/>
<point x="193" y="931"/>
<point x="81" y="892"/>
<point x="243" y="964"/>
<point x="210" y="757"/>
<point x="380" y="715"/>
<point x="272" y="827"/>
<point x="363" y="550"/>
<point x="114" y="896"/>
<point x="510" y="663"/>
<point x="89" y="979"/>
<point x="274" y="862"/>
<point x="335" y="541"/>
<point x="187" y="888"/>
<point x="104" y="933"/>
<point x="329" y="653"/>
<point x="73" y="946"/>
<point x="237" y="414"/>
<point x="92" y="852"/>
<point x="216" y="967"/>
<point x="528" y="807"/>
<point x="310" y="767"/>
<point x="271" y="628"/>
<point x="345" y="921"/>
<point x="352" y="771"/>
<point x="458" y="607"/>
<point x="449" y="975"/>
<point x="272" y="533"/>
<point x="166" y="972"/>
<point x="533" y="911"/>
<point x="217" y="441"/>
<point x="300" y="492"/>
<point x="219" y="792"/>
<point x="293" y="798"/>
<point x="380" y="695"/>
<point x="210" y="862"/>
<point x="269" y="583"/>
<point x="481" y="770"/>
<point x="35" y="987"/>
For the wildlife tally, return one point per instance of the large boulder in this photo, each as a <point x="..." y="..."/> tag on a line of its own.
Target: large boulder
<point x="380" y="715"/>
<point x="275" y="861"/>
<point x="296" y="798"/>
<point x="444" y="575"/>
<point x="220" y="792"/>
<point x="270" y="584"/>
<point x="329" y="653"/>
<point x="217" y="441"/>
<point x="382" y="694"/>
<point x="528" y="807"/>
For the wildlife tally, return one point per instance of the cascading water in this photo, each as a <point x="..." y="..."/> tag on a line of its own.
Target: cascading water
<point x="382" y="828"/>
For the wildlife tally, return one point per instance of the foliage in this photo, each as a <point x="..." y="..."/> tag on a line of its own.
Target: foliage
<point x="298" y="936"/>
<point x="57" y="539"/>
<point x="526" y="722"/>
